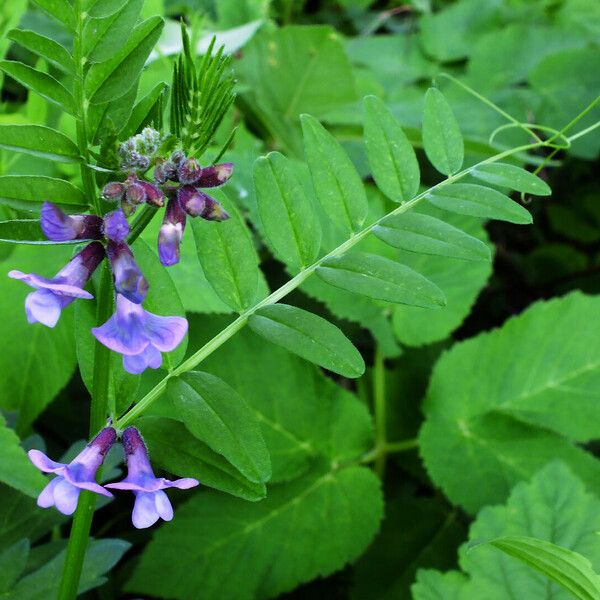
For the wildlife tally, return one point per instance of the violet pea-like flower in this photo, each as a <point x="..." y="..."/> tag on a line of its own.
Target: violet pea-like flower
<point x="52" y="295"/>
<point x="80" y="474"/>
<point x="60" y="227"/>
<point x="171" y="232"/>
<point x="151" y="502"/>
<point x="140" y="336"/>
<point x="129" y="280"/>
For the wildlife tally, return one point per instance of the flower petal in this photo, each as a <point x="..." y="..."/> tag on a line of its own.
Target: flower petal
<point x="163" y="506"/>
<point x="66" y="497"/>
<point x="165" y="333"/>
<point x="46" y="497"/>
<point x="144" y="513"/>
<point x="125" y="337"/>
<point x="42" y="306"/>
<point x="43" y="463"/>
<point x="138" y="363"/>
<point x="183" y="484"/>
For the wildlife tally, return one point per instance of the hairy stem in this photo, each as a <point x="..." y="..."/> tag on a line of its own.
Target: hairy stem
<point x="379" y="411"/>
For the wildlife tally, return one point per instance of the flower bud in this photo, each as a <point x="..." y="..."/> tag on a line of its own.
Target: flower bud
<point x="171" y="232"/>
<point x="164" y="171"/>
<point x="215" y="175"/>
<point x="153" y="195"/>
<point x="113" y="191"/>
<point x="213" y="210"/>
<point x="189" y="171"/>
<point x="135" y="194"/>
<point x="192" y="200"/>
<point x="177" y="157"/>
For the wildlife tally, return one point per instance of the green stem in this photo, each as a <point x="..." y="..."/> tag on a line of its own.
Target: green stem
<point x="216" y="342"/>
<point x="141" y="221"/>
<point x="379" y="411"/>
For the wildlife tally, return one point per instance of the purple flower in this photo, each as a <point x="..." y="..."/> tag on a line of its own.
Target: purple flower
<point x="215" y="175"/>
<point x="60" y="227"/>
<point x="151" y="502"/>
<point x="115" y="227"/>
<point x="52" y="295"/>
<point x="113" y="191"/>
<point x="192" y="200"/>
<point x="128" y="278"/>
<point x="80" y="474"/>
<point x="140" y="336"/>
<point x="189" y="171"/>
<point x="171" y="232"/>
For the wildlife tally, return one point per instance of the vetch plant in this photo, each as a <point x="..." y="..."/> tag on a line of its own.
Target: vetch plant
<point x="143" y="161"/>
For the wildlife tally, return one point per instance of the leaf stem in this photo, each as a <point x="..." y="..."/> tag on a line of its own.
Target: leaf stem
<point x="379" y="411"/>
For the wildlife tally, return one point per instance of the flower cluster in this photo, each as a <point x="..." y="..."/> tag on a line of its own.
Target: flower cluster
<point x="151" y="502"/>
<point x="137" y="334"/>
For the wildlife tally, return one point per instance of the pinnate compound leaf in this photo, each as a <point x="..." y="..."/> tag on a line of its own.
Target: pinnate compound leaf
<point x="309" y="336"/>
<point x="61" y="10"/>
<point x="112" y="79"/>
<point x="478" y="201"/>
<point x="424" y="234"/>
<point x="41" y="83"/>
<point x="218" y="416"/>
<point x="338" y="186"/>
<point x="45" y="47"/>
<point x="391" y="157"/>
<point x="512" y="177"/>
<point x="303" y="529"/>
<point x="381" y="278"/>
<point x="38" y="140"/>
<point x="12" y="563"/>
<point x="28" y="192"/>
<point x="569" y="569"/>
<point x="228" y="257"/>
<point x="501" y="419"/>
<point x="554" y="507"/>
<point x="442" y="139"/>
<point x="290" y="222"/>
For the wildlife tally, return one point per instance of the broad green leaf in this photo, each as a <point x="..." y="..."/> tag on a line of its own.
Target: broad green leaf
<point x="142" y="112"/>
<point x="569" y="569"/>
<point x="554" y="507"/>
<point x="391" y="156"/>
<point x="442" y="139"/>
<point x="309" y="336"/>
<point x="16" y="469"/>
<point x="28" y="192"/>
<point x="104" y="8"/>
<point x="423" y="234"/>
<point x="378" y="277"/>
<point x="12" y="563"/>
<point x="24" y="231"/>
<point x="112" y="79"/>
<point x="307" y="528"/>
<point x="46" y="357"/>
<point x="289" y="220"/>
<point x="104" y="37"/>
<point x="45" y="47"/>
<point x="41" y="83"/>
<point x="228" y="257"/>
<point x="175" y="449"/>
<point x="39" y="141"/>
<point x="461" y="281"/>
<point x="337" y="184"/>
<point x="433" y="585"/>
<point x="512" y="177"/>
<point x="61" y="10"/>
<point x="478" y="201"/>
<point x="502" y="419"/>
<point x="218" y="416"/>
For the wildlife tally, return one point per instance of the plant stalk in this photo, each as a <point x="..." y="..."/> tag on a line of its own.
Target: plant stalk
<point x="379" y="411"/>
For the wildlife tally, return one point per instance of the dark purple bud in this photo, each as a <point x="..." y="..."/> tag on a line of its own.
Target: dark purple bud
<point x="177" y="157"/>
<point x="192" y="200"/>
<point x="164" y="171"/>
<point x="214" y="211"/>
<point x="113" y="191"/>
<point x="116" y="227"/>
<point x="153" y="195"/>
<point x="189" y="171"/>
<point x="128" y="278"/>
<point x="215" y="175"/>
<point x="171" y="232"/>
<point x="135" y="194"/>
<point x="60" y="227"/>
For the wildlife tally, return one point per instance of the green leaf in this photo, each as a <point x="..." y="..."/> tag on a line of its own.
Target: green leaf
<point x="143" y="111"/>
<point x="112" y="79"/>
<point x="432" y="585"/>
<point x="391" y="156"/>
<point x="218" y="416"/>
<point x="460" y="281"/>
<point x="104" y="37"/>
<point x="569" y="569"/>
<point x="509" y="176"/>
<point x="45" y="47"/>
<point x="378" y="277"/>
<point x="12" y="563"/>
<point x="174" y="448"/>
<point x="501" y="419"/>
<point x="25" y="231"/>
<point x="28" y="192"/>
<point x="554" y="507"/>
<point x="308" y="336"/>
<point x="61" y="10"/>
<point x="479" y="201"/>
<point x="309" y="527"/>
<point x="39" y="141"/>
<point x="289" y="220"/>
<point x="16" y="469"/>
<point x="442" y="139"/>
<point x="423" y="234"/>
<point x="337" y="184"/>
<point x="41" y="83"/>
<point x="105" y="8"/>
<point x="46" y="357"/>
<point x="228" y="257"/>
